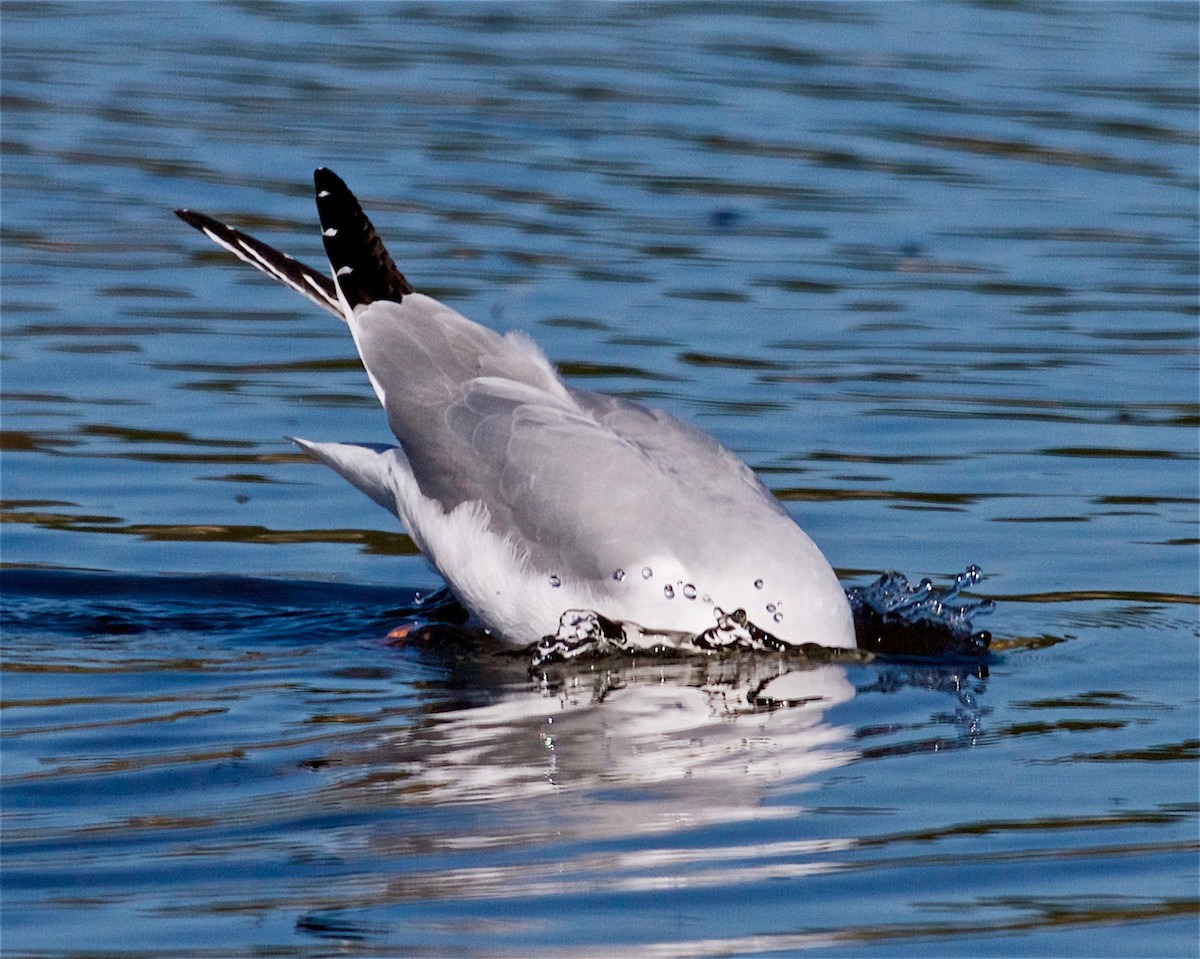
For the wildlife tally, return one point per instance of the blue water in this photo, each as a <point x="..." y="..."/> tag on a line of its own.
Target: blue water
<point x="930" y="268"/>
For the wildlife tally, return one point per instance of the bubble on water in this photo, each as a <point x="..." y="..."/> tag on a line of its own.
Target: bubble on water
<point x="758" y="584"/>
<point x="647" y="572"/>
<point x="555" y="581"/>
<point x="669" y="591"/>
<point x="618" y="574"/>
<point x="689" y="591"/>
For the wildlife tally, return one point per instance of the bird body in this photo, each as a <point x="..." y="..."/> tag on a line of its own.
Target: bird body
<point x="534" y="499"/>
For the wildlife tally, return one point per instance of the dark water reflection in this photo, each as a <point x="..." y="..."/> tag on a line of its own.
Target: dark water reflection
<point x="931" y="269"/>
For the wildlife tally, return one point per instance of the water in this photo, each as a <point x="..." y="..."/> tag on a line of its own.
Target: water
<point x="931" y="269"/>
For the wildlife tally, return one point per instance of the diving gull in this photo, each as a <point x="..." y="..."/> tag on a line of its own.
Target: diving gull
<point x="535" y="500"/>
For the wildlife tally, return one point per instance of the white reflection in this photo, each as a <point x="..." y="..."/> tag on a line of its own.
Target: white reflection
<point x="721" y="730"/>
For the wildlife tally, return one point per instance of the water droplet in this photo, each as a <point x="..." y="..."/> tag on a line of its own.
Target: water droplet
<point x="618" y="574"/>
<point x="689" y="591"/>
<point x="555" y="581"/>
<point x="778" y="617"/>
<point x="647" y="572"/>
<point x="669" y="591"/>
<point x="770" y="607"/>
<point x="758" y="584"/>
<point x="706" y="599"/>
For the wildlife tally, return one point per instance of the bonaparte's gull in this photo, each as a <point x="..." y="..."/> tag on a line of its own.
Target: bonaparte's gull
<point x="534" y="499"/>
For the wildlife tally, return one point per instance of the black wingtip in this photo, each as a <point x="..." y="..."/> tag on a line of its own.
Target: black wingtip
<point x="306" y="281"/>
<point x="206" y="223"/>
<point x="192" y="218"/>
<point x="363" y="269"/>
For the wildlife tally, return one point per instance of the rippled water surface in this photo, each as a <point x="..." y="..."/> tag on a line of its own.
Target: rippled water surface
<point x="931" y="269"/>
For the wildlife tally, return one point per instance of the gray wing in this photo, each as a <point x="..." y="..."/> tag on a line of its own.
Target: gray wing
<point x="426" y="363"/>
<point x="586" y="483"/>
<point x="600" y="484"/>
<point x="707" y="467"/>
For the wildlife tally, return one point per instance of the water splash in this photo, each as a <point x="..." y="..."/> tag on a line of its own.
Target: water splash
<point x="891" y="618"/>
<point x="896" y="619"/>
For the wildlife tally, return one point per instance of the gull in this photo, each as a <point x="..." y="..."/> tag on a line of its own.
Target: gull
<point x="536" y="501"/>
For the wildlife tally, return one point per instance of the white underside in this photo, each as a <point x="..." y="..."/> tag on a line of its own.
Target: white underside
<point x="493" y="577"/>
